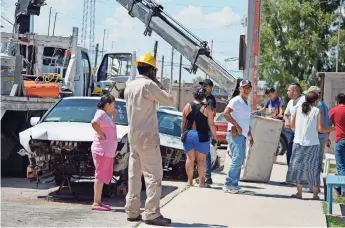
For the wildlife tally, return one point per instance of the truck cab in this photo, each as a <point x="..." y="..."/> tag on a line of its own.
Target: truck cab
<point x="115" y="70"/>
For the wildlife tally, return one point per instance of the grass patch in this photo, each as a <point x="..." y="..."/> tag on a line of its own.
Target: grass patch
<point x="332" y="221"/>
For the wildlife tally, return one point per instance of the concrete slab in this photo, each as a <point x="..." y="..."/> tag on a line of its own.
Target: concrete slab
<point x="267" y="205"/>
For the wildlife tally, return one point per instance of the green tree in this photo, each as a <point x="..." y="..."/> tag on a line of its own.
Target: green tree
<point x="197" y="79"/>
<point x="297" y="41"/>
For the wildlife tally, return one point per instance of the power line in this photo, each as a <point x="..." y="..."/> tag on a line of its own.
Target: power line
<point x="6" y="20"/>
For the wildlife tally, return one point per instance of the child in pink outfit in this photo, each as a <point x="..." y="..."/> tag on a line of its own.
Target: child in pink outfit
<point x="103" y="147"/>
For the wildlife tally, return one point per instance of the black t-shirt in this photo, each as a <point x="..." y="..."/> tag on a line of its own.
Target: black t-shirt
<point x="211" y="102"/>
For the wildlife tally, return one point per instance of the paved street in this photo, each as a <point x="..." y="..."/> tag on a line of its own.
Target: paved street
<point x="262" y="205"/>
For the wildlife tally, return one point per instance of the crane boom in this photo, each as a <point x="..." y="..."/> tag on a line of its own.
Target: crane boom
<point x="185" y="42"/>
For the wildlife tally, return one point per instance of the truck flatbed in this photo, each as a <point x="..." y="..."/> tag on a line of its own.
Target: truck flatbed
<point x="25" y="103"/>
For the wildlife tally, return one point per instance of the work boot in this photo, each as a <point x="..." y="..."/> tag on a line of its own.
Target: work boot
<point x="137" y="219"/>
<point x="160" y="221"/>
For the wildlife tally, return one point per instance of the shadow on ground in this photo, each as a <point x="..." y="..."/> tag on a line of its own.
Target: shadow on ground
<point x="83" y="194"/>
<point x="194" y="225"/>
<point x="8" y="182"/>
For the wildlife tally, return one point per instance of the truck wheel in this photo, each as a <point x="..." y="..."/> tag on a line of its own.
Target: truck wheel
<point x="15" y="165"/>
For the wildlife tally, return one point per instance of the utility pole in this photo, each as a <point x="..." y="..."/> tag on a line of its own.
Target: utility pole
<point x="339" y="23"/>
<point x="96" y="54"/>
<point x="211" y="54"/>
<point x="50" y="13"/>
<point x="155" y="49"/>
<point x="112" y="45"/>
<point x="162" y="69"/>
<point x="103" y="43"/>
<point x="172" y="69"/>
<point x="54" y="23"/>
<point x="179" y="84"/>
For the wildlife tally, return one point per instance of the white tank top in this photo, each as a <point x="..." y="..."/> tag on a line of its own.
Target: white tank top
<point x="306" y="127"/>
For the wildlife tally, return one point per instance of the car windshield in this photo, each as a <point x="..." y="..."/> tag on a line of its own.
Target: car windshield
<point x="221" y="118"/>
<point x="83" y="111"/>
<point x="169" y="124"/>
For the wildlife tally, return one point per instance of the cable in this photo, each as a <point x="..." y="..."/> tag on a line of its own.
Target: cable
<point x="6" y="20"/>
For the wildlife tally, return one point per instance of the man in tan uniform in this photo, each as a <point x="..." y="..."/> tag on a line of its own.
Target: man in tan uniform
<point x="142" y="96"/>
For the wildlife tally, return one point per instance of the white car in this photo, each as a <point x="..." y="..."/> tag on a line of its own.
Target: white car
<point x="169" y="125"/>
<point x="59" y="144"/>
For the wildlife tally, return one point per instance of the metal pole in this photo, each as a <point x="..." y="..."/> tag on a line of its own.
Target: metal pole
<point x="337" y="57"/>
<point x="50" y="13"/>
<point x="249" y="63"/>
<point x="172" y="69"/>
<point x="162" y="69"/>
<point x="179" y="84"/>
<point x="96" y="54"/>
<point x="112" y="45"/>
<point x="54" y="23"/>
<point x="155" y="49"/>
<point x="32" y="24"/>
<point x="103" y="43"/>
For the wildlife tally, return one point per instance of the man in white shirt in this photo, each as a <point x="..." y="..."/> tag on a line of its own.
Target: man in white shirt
<point x="237" y="113"/>
<point x="294" y="93"/>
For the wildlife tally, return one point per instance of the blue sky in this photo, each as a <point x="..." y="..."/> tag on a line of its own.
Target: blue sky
<point x="218" y="20"/>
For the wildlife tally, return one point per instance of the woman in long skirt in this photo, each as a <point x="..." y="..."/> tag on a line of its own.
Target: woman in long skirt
<point x="304" y="168"/>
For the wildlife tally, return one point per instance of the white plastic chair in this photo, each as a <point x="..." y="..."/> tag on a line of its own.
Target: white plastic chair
<point x="328" y="159"/>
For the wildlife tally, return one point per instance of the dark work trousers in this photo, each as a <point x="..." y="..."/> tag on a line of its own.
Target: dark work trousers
<point x="289" y="149"/>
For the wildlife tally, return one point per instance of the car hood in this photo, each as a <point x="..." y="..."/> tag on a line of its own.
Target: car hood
<point x="63" y="131"/>
<point x="171" y="141"/>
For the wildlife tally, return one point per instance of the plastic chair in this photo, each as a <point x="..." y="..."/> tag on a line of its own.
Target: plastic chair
<point x="328" y="159"/>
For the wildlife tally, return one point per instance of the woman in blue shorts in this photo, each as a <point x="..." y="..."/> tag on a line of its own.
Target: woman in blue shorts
<point x="197" y="121"/>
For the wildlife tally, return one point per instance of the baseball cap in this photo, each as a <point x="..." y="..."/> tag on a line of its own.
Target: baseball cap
<point x="313" y="89"/>
<point x="206" y="82"/>
<point x="245" y="82"/>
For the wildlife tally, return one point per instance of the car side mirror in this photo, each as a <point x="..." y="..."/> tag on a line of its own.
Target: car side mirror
<point x="34" y="120"/>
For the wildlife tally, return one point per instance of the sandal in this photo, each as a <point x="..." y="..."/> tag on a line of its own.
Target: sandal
<point x="100" y="208"/>
<point x="205" y="186"/>
<point x="296" y="196"/>
<point x="106" y="206"/>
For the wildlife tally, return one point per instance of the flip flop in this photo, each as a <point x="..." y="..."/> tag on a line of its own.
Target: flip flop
<point x="106" y="206"/>
<point x="295" y="196"/>
<point x="100" y="208"/>
<point x="205" y="186"/>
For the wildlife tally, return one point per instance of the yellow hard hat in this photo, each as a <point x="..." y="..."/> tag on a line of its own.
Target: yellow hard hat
<point x="97" y="91"/>
<point x="147" y="59"/>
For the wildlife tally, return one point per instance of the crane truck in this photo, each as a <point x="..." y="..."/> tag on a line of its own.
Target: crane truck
<point x="52" y="63"/>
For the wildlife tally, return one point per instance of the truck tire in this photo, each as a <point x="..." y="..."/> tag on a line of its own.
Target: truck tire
<point x="15" y="165"/>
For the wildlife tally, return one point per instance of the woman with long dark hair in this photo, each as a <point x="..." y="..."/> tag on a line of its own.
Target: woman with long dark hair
<point x="197" y="121"/>
<point x="304" y="168"/>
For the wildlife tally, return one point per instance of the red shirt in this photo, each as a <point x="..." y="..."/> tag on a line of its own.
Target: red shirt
<point x="337" y="116"/>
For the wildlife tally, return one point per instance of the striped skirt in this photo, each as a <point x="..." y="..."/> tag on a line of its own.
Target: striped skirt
<point x="304" y="165"/>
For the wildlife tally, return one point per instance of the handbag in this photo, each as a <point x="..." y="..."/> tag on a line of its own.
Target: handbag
<point x="184" y="135"/>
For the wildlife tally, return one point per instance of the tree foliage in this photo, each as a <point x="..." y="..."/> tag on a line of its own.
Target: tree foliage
<point x="297" y="40"/>
<point x="197" y="79"/>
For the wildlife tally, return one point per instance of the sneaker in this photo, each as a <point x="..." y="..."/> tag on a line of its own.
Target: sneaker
<point x="208" y="180"/>
<point x="231" y="189"/>
<point x="160" y="221"/>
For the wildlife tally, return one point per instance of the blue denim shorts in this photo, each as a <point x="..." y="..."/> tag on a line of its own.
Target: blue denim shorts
<point x="192" y="142"/>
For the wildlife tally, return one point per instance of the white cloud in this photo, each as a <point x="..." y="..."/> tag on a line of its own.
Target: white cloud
<point x="192" y="16"/>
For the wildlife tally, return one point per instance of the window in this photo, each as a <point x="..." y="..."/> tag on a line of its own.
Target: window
<point x="82" y="110"/>
<point x="169" y="124"/>
<point x="86" y="71"/>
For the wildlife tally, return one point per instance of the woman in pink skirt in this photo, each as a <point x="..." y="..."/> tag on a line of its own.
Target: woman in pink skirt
<point x="103" y="147"/>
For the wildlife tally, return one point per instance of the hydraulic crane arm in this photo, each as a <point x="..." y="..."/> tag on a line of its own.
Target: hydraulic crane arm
<point x="185" y="42"/>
